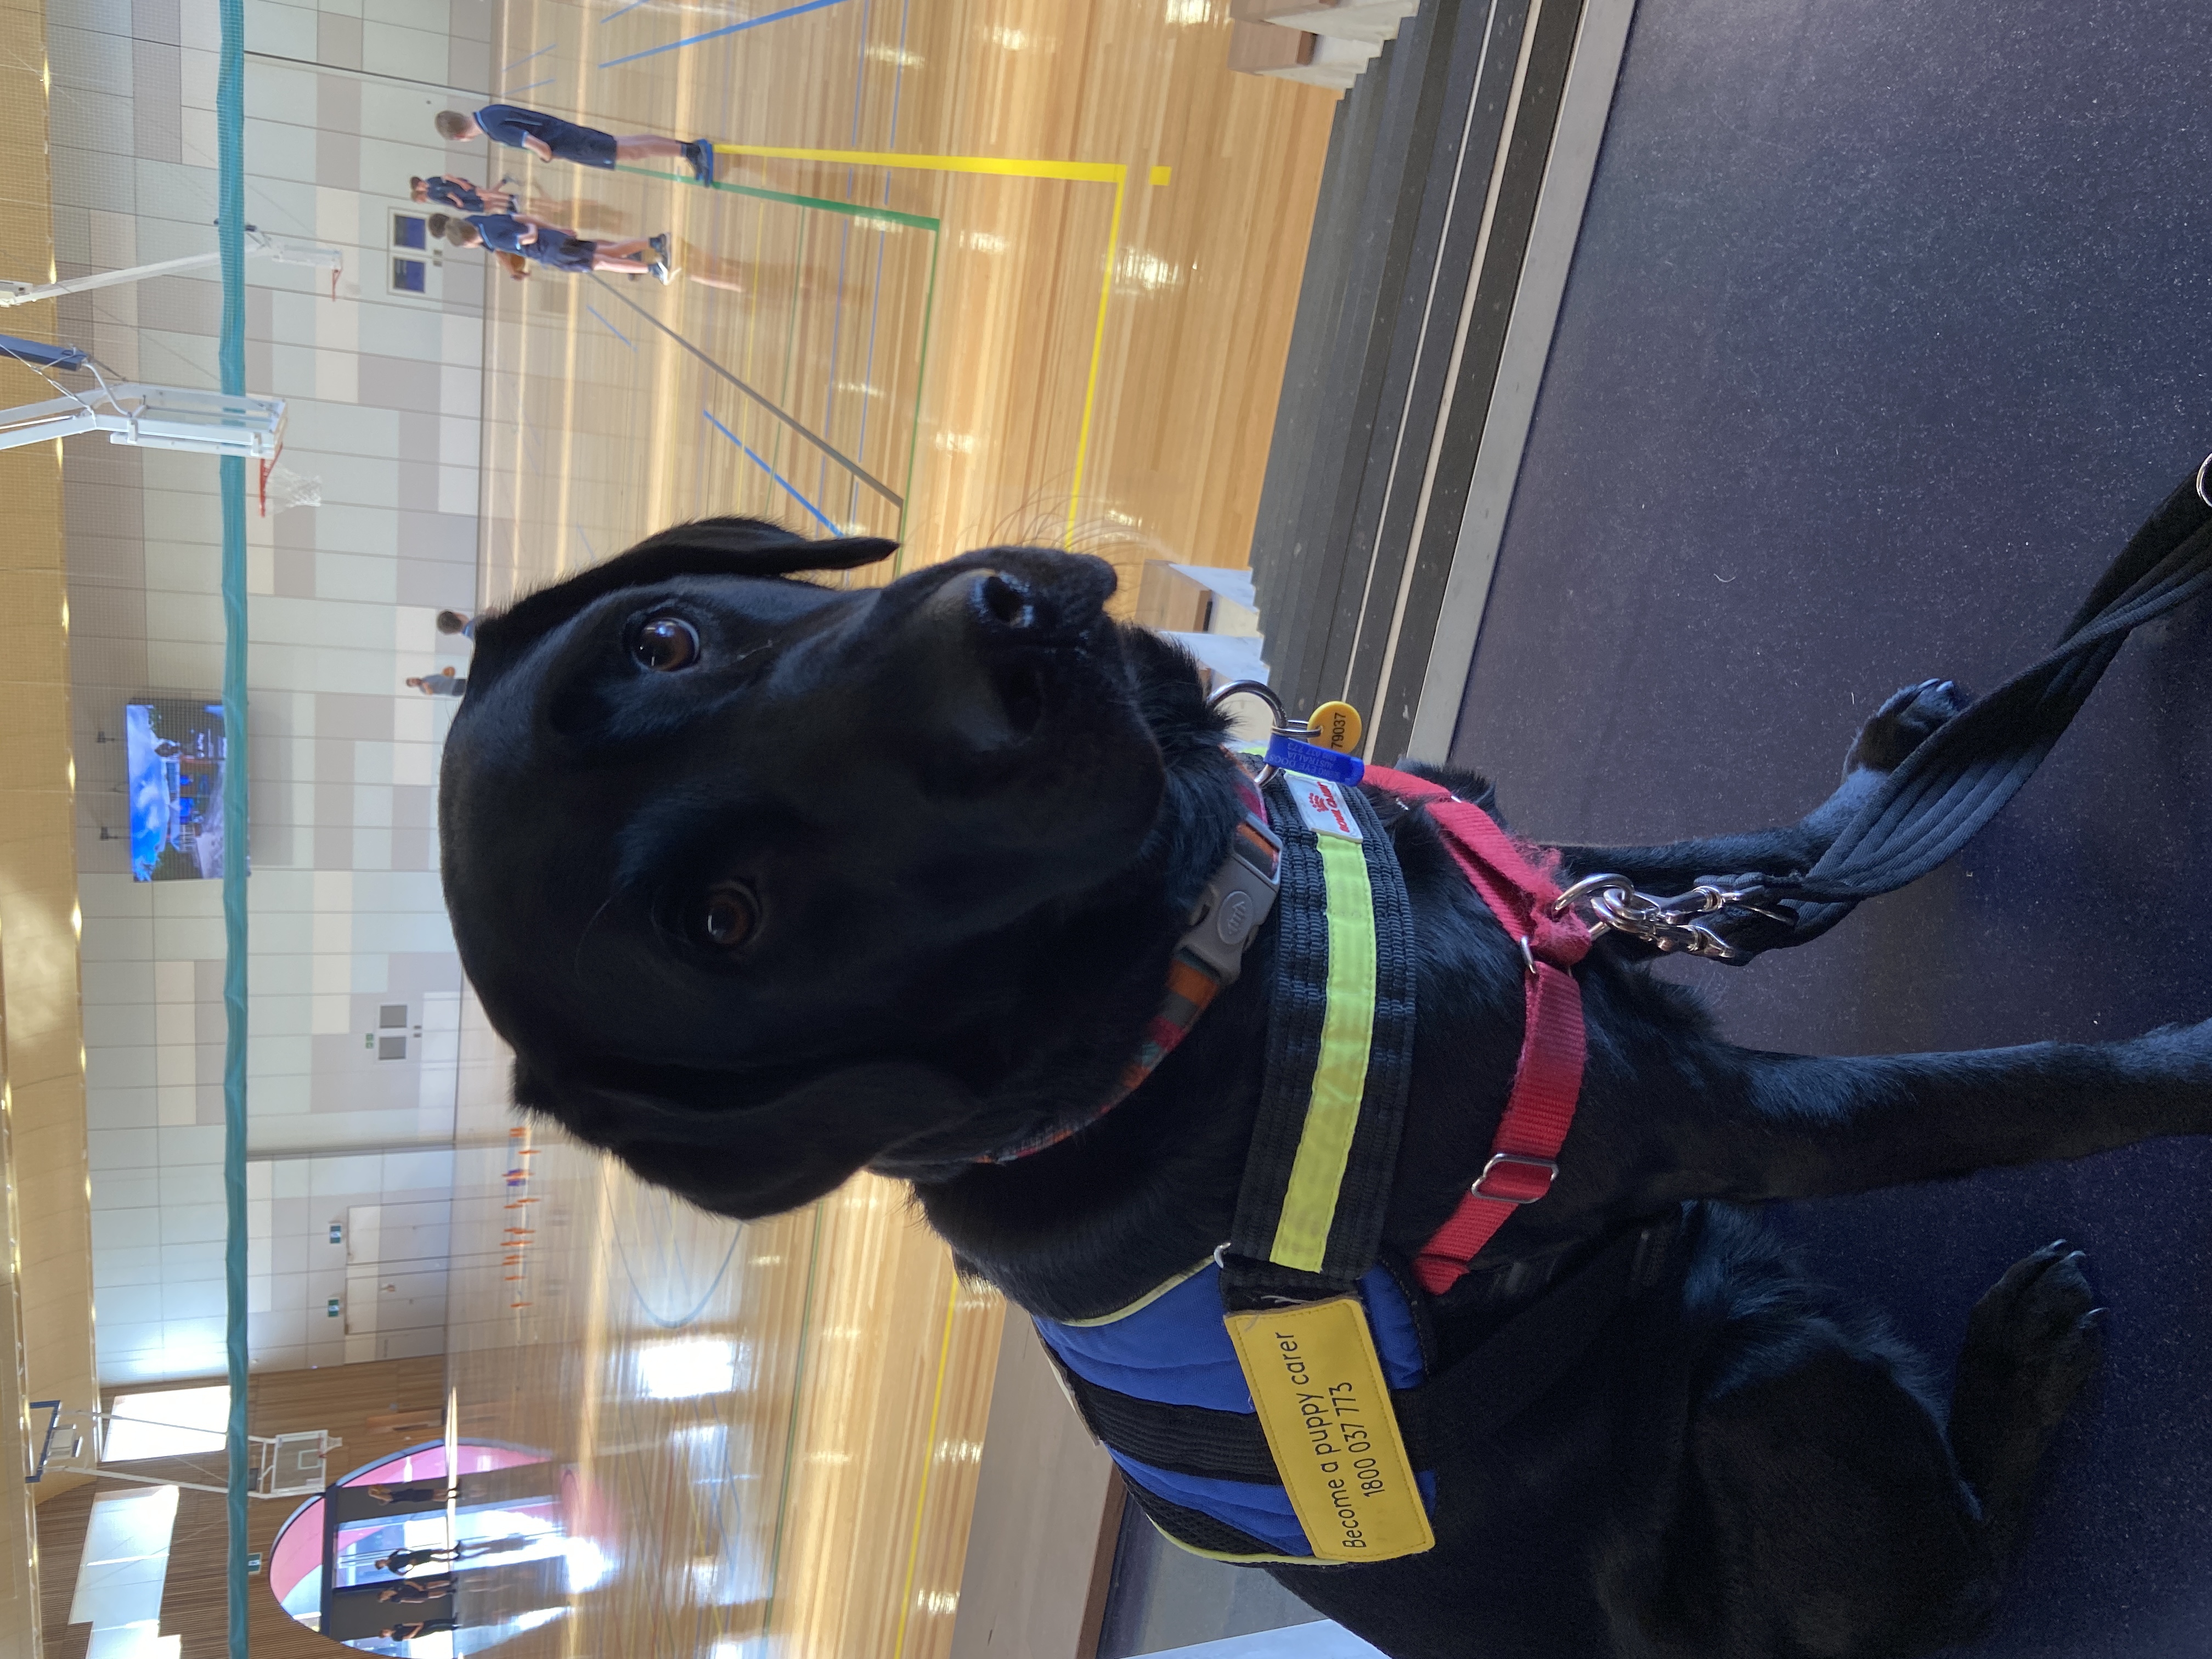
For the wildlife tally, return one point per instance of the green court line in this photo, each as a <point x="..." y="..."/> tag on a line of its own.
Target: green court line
<point x="828" y="204"/>
<point x="914" y="427"/>
<point x="753" y="321"/>
<point x="790" y="338"/>
<point x="865" y="214"/>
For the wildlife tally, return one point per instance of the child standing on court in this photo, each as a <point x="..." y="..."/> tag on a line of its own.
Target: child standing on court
<point x="549" y="138"/>
<point x="555" y="248"/>
<point x="460" y="195"/>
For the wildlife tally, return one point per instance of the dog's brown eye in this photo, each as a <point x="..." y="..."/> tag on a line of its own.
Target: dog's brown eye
<point x="726" y="919"/>
<point x="666" y="644"/>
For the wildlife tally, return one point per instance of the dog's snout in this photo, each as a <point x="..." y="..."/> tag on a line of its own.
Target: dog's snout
<point x="998" y="655"/>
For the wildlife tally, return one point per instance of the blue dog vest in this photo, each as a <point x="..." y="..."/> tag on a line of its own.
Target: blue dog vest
<point x="1171" y="1350"/>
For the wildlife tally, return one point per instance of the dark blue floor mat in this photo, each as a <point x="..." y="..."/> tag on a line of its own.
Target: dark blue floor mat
<point x="1886" y="326"/>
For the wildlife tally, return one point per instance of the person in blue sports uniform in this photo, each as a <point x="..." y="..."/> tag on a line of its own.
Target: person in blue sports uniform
<point x="549" y="138"/>
<point x="554" y="248"/>
<point x="443" y="684"/>
<point x="461" y="195"/>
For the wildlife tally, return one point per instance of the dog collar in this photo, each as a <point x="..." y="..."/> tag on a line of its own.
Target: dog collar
<point x="1207" y="958"/>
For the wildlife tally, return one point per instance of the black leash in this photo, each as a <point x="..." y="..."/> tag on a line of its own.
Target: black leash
<point x="1954" y="782"/>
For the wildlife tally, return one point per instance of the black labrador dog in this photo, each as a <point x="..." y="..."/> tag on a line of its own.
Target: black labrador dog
<point x="767" y="883"/>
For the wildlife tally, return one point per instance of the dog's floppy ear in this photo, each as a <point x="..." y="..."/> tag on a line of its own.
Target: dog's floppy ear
<point x="738" y="1158"/>
<point x="706" y="547"/>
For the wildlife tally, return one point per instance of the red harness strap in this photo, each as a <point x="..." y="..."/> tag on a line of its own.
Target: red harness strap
<point x="1524" y="1154"/>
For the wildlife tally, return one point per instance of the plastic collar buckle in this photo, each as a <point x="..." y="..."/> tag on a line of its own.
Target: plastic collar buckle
<point x="1228" y="915"/>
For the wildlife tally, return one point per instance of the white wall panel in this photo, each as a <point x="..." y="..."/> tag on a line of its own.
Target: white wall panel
<point x="336" y="935"/>
<point x="281" y="31"/>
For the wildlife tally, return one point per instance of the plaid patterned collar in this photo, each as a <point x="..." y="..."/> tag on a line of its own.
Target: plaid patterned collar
<point x="1207" y="961"/>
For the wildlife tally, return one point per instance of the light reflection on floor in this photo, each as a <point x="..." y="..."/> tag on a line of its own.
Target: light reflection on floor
<point x="768" y="1434"/>
<point x="511" y="1509"/>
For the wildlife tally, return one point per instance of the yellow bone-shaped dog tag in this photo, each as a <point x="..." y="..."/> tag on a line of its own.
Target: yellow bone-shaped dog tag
<point x="1325" y="1411"/>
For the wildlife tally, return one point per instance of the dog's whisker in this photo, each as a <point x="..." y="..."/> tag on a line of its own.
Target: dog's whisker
<point x="583" y="937"/>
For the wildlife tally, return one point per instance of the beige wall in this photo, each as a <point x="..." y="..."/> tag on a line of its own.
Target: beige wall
<point x="1047" y="1506"/>
<point x="46" y="1313"/>
<point x="43" y="1039"/>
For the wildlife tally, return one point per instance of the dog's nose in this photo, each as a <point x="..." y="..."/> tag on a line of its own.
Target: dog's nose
<point x="1006" y="601"/>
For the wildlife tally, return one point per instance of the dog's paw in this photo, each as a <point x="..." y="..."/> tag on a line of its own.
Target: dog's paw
<point x="1903" y="723"/>
<point x="2033" y="1341"/>
<point x="2033" y="1344"/>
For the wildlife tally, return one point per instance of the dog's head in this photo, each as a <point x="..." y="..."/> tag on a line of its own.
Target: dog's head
<point x="746" y="868"/>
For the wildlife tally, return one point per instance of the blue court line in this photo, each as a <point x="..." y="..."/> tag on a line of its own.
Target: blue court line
<point x="727" y="28"/>
<point x="772" y="473"/>
<point x="519" y="62"/>
<point x="588" y="548"/>
<point x="619" y="10"/>
<point x="612" y="329"/>
<point x="547" y="82"/>
<point x="898" y="81"/>
<point x="867" y="374"/>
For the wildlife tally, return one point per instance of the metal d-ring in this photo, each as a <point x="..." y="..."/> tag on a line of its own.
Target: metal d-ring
<point x="1283" y="725"/>
<point x="2201" y="493"/>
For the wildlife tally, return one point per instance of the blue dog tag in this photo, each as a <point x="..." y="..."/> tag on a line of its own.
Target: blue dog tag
<point x="1314" y="760"/>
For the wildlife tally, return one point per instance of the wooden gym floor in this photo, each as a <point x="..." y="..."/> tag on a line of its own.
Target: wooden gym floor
<point x="976" y="271"/>
<point x="972" y="272"/>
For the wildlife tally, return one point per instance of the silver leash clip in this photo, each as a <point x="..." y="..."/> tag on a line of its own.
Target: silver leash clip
<point x="1667" y="925"/>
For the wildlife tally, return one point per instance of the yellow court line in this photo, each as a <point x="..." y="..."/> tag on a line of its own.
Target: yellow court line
<point x="928" y="1462"/>
<point x="1098" y="350"/>
<point x="1115" y="173"/>
<point x="1097" y="172"/>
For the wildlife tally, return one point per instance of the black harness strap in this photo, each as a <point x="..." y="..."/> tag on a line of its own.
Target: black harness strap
<point x="1294" y="1036"/>
<point x="1197" y="1531"/>
<point x="1192" y="1440"/>
<point x="1294" y="1020"/>
<point x="1964" y="773"/>
<point x="1521" y="1361"/>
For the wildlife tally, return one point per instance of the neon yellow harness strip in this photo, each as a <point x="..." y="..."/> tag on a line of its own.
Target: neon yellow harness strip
<point x="1340" y="1072"/>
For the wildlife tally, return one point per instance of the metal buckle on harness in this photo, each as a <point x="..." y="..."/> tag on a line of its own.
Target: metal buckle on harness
<point x="1515" y="1162"/>
<point x="1609" y="901"/>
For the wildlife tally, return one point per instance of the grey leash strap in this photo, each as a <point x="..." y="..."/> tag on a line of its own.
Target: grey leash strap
<point x="1955" y="781"/>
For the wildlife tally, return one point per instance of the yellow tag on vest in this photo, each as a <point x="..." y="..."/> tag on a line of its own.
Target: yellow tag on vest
<point x="1325" y="1411"/>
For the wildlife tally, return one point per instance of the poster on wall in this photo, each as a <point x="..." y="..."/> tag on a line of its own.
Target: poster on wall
<point x="175" y="749"/>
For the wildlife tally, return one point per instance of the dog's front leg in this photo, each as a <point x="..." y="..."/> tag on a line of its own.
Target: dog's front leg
<point x="1891" y="734"/>
<point x="1794" y="1125"/>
